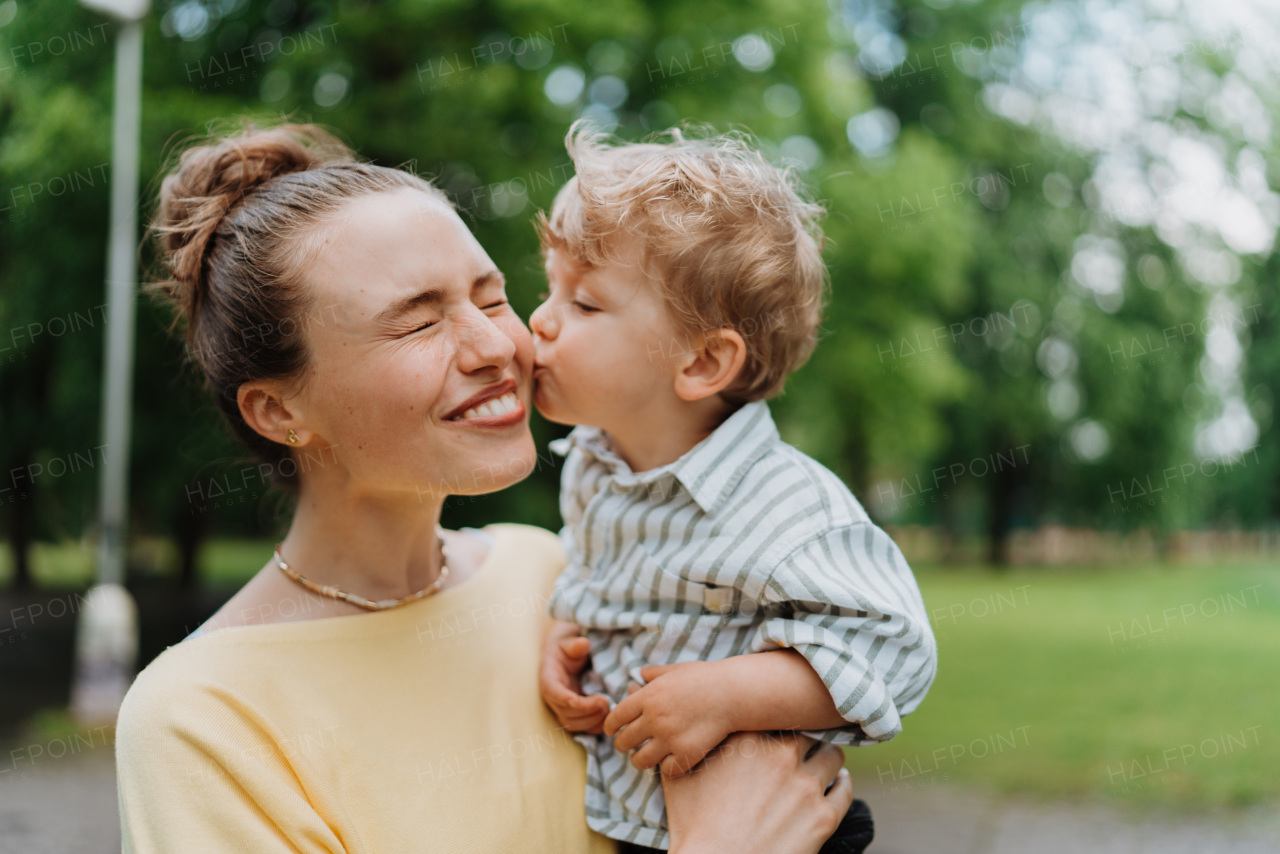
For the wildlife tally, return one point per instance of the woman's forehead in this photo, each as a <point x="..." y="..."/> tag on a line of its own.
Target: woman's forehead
<point x="386" y="246"/>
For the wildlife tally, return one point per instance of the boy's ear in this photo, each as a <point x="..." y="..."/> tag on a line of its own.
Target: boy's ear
<point x="713" y="367"/>
<point x="264" y="408"/>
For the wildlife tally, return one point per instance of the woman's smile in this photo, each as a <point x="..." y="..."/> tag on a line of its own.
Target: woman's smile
<point x="505" y="411"/>
<point x="496" y="406"/>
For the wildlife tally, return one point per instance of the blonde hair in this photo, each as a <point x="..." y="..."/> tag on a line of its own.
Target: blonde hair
<point x="234" y="223"/>
<point x="731" y="239"/>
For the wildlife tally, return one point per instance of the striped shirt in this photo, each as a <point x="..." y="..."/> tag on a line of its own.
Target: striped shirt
<point x="743" y="544"/>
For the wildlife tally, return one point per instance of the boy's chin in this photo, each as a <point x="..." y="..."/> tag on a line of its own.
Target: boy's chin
<point x="548" y="408"/>
<point x="554" y="415"/>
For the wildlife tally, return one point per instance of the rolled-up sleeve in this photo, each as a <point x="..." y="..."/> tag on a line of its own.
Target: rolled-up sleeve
<point x="848" y="603"/>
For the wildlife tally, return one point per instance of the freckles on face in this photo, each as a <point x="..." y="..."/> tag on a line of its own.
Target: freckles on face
<point x="370" y="399"/>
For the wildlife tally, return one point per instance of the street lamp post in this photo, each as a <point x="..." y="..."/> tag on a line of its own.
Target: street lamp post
<point x="107" y="636"/>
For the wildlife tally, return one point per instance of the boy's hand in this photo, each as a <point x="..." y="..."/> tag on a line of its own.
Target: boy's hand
<point x="677" y="718"/>
<point x="564" y="656"/>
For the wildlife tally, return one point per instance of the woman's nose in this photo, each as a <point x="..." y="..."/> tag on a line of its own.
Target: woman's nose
<point x="483" y="344"/>
<point x="542" y="322"/>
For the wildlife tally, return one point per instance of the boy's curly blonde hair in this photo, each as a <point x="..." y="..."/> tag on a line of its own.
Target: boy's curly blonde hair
<point x="730" y="237"/>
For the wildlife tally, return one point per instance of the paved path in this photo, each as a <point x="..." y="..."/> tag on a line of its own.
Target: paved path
<point x="59" y="806"/>
<point x="68" y="806"/>
<point x="949" y="820"/>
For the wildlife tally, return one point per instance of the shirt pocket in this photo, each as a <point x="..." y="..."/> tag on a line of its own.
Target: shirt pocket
<point x="725" y="601"/>
<point x="697" y="620"/>
<point x="675" y="593"/>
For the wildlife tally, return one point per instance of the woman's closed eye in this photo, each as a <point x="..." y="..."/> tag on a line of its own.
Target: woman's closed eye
<point x="430" y="323"/>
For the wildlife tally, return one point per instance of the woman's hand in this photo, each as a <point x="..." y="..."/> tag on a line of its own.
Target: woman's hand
<point x="565" y="654"/>
<point x="759" y="794"/>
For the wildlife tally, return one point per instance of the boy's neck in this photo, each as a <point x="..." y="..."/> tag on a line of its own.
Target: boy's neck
<point x="658" y="439"/>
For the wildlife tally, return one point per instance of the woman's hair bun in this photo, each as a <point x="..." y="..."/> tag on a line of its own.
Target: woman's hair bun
<point x="212" y="177"/>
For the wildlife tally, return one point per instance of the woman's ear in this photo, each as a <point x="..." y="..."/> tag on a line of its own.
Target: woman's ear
<point x="713" y="367"/>
<point x="263" y="407"/>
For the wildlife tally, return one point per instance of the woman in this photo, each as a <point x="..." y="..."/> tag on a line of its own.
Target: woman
<point x="374" y="688"/>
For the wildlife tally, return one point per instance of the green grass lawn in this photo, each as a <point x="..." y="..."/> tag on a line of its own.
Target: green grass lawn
<point x="1150" y="686"/>
<point x="223" y="563"/>
<point x="65" y="564"/>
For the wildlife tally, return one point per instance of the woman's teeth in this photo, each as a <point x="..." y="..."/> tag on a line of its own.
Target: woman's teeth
<point x="490" y="408"/>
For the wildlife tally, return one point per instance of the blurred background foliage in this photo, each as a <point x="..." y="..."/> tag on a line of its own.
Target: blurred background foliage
<point x="1050" y="228"/>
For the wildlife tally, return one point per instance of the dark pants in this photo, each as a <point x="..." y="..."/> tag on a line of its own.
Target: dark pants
<point x="854" y="834"/>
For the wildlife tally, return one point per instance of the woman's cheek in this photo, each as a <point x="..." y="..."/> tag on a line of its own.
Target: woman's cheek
<point x="519" y="334"/>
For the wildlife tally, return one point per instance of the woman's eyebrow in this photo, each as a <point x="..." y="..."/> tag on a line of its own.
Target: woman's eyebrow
<point x="433" y="296"/>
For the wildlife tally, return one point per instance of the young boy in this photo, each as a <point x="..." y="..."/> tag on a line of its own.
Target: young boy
<point x="686" y="283"/>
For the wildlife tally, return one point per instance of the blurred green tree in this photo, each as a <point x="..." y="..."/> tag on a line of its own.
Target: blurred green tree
<point x="987" y="357"/>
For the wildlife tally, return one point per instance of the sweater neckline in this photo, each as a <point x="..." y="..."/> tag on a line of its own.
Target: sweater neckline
<point x="373" y="622"/>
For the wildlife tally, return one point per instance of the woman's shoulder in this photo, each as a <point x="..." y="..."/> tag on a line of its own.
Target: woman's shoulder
<point x="544" y="541"/>
<point x="176" y="717"/>
<point x="524" y="547"/>
<point x="177" y="687"/>
<point x="205" y="707"/>
<point x="201" y="757"/>
<point x="202" y="688"/>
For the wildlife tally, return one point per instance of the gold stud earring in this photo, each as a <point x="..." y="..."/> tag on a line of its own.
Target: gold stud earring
<point x="293" y="437"/>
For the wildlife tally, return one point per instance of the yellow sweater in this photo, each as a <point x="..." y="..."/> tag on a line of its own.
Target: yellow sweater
<point x="418" y="729"/>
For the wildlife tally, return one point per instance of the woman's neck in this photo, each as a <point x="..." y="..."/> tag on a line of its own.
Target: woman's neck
<point x="380" y="547"/>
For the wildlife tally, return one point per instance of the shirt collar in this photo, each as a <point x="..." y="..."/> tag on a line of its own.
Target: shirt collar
<point x="709" y="471"/>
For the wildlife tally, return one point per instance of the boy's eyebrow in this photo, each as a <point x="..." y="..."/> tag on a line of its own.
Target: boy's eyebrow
<point x="433" y="296"/>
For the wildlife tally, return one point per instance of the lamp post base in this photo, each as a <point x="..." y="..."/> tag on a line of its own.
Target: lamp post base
<point x="106" y="654"/>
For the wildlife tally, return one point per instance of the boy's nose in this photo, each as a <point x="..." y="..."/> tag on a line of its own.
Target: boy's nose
<point x="542" y="322"/>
